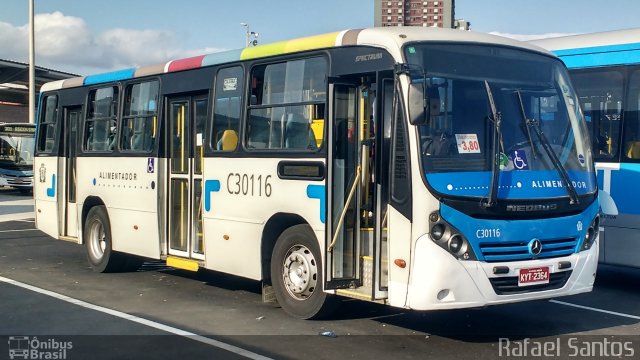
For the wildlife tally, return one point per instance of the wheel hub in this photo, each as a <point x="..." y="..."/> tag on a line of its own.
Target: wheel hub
<point x="300" y="272"/>
<point x="97" y="237"/>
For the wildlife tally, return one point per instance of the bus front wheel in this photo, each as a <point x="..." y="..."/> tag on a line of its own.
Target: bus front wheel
<point x="97" y="239"/>
<point x="296" y="274"/>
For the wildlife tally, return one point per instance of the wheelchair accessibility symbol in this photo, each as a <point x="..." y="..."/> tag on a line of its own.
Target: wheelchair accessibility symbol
<point x="520" y="160"/>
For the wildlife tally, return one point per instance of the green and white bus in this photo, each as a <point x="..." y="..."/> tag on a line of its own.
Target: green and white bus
<point x="421" y="168"/>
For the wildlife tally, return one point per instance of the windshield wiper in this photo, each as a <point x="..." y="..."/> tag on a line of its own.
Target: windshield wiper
<point x="495" y="165"/>
<point x="526" y="124"/>
<point x="535" y="124"/>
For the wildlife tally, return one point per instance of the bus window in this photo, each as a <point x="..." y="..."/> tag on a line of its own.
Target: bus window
<point x="100" y="125"/>
<point x="226" y="109"/>
<point x="600" y="96"/>
<point x="46" y="136"/>
<point x="287" y="105"/>
<point x="631" y="139"/>
<point x="140" y="118"/>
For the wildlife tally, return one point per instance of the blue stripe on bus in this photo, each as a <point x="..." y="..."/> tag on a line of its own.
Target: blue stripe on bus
<point x="624" y="187"/>
<point x="318" y="192"/>
<point x="600" y="55"/>
<point x="110" y="76"/>
<point x="598" y="49"/>
<point x="221" y="57"/>
<point x="209" y="187"/>
<point x="512" y="185"/>
<point x="51" y="192"/>
<point x="601" y="59"/>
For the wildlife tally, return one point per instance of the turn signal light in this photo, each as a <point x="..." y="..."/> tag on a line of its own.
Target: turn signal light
<point x="400" y="263"/>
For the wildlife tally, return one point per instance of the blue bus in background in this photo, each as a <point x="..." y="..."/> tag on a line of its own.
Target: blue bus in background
<point x="17" y="144"/>
<point x="605" y="71"/>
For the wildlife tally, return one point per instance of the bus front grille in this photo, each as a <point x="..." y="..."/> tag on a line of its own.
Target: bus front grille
<point x="508" y="285"/>
<point x="19" y="180"/>
<point x="519" y="250"/>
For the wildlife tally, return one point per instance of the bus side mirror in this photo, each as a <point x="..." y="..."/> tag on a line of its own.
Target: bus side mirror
<point x="418" y="104"/>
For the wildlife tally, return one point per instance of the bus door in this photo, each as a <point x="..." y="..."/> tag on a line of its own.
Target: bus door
<point x="186" y="123"/>
<point x="68" y="185"/>
<point x="354" y="250"/>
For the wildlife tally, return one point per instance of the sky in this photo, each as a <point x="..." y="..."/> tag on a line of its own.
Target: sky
<point x="88" y="36"/>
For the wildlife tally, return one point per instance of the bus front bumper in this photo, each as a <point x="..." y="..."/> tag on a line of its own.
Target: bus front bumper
<point x="18" y="182"/>
<point x="440" y="281"/>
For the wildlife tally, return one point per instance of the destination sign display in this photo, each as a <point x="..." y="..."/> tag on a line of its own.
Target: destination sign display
<point x="17" y="129"/>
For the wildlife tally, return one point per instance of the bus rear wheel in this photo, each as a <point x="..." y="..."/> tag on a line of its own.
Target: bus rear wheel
<point x="97" y="239"/>
<point x="296" y="274"/>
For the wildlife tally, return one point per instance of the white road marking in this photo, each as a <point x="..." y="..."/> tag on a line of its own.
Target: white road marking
<point x="595" y="309"/>
<point x="24" y="202"/>
<point x="153" y="324"/>
<point x="6" y="231"/>
<point x="17" y="216"/>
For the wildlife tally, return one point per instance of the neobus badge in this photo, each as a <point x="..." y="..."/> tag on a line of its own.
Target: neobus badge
<point x="538" y="207"/>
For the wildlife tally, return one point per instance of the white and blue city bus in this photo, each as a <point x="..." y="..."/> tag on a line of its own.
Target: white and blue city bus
<point x="420" y="168"/>
<point x="17" y="144"/>
<point x="605" y="71"/>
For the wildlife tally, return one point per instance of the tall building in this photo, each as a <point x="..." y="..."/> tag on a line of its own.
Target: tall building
<point x="436" y="13"/>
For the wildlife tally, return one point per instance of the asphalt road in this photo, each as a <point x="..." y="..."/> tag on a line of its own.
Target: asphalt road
<point x="48" y="292"/>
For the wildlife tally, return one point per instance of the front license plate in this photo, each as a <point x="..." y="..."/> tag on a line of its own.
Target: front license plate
<point x="533" y="276"/>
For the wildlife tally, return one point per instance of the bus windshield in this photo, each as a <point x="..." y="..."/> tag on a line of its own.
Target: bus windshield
<point x="16" y="150"/>
<point x="502" y="123"/>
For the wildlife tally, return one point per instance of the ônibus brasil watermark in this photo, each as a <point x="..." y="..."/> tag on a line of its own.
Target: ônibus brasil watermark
<point x="566" y="346"/>
<point x="32" y="348"/>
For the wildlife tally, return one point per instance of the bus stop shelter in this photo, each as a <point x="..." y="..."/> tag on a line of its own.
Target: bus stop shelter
<point x="14" y="88"/>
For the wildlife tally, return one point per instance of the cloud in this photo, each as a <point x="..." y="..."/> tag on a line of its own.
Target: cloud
<point x="523" y="37"/>
<point x="66" y="43"/>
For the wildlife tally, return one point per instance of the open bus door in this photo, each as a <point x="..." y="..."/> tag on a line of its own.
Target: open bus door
<point x="185" y="121"/>
<point x="356" y="243"/>
<point x="67" y="185"/>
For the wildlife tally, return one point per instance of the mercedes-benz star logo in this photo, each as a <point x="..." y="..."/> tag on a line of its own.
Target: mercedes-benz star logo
<point x="535" y="247"/>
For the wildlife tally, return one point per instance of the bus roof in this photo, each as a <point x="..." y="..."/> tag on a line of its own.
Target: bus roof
<point x="609" y="48"/>
<point x="390" y="38"/>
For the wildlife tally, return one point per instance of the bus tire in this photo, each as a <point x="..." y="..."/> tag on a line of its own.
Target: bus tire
<point x="297" y="274"/>
<point x="97" y="239"/>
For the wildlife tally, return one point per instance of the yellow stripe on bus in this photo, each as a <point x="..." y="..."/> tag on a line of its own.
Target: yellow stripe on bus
<point x="290" y="46"/>
<point x="184" y="264"/>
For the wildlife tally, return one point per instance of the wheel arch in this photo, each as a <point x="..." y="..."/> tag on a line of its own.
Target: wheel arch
<point x="275" y="226"/>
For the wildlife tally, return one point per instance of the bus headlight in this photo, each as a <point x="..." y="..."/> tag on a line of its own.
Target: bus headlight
<point x="437" y="231"/>
<point x="592" y="232"/>
<point x="449" y="238"/>
<point x="456" y="243"/>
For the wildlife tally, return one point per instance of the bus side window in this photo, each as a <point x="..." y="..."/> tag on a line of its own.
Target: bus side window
<point x="600" y="95"/>
<point x="226" y="109"/>
<point x="631" y="138"/>
<point x="47" y="128"/>
<point x="100" y="124"/>
<point x="139" y="121"/>
<point x="287" y="105"/>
